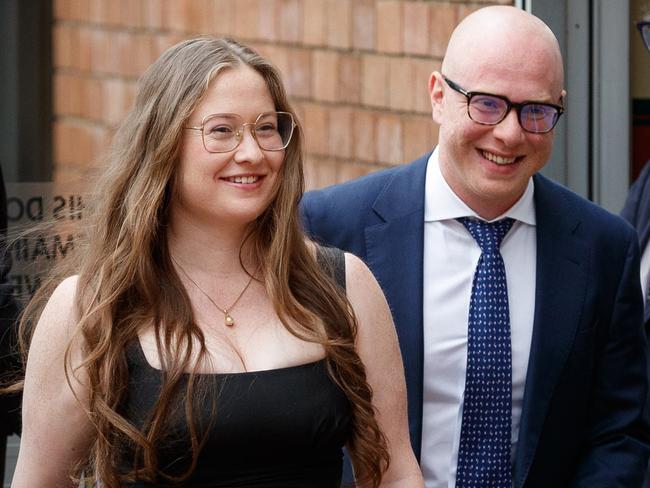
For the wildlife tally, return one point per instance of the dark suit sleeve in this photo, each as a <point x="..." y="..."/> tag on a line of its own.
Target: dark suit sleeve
<point x="617" y="449"/>
<point x="632" y="208"/>
<point x="9" y="357"/>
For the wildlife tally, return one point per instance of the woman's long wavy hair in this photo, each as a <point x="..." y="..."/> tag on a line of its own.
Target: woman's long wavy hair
<point x="127" y="281"/>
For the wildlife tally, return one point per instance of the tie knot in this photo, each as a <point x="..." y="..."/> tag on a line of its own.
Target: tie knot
<point x="488" y="235"/>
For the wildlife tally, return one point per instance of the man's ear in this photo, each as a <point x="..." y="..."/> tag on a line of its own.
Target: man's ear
<point x="436" y="95"/>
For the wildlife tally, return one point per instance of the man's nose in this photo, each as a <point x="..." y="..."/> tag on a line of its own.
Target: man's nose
<point x="509" y="130"/>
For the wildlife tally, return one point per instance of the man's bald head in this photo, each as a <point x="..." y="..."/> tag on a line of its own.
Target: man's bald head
<point x="503" y="37"/>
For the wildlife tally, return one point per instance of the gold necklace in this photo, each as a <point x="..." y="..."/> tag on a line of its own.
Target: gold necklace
<point x="228" y="320"/>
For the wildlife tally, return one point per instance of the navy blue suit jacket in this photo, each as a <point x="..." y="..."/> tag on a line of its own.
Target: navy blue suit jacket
<point x="583" y="423"/>
<point x="637" y="212"/>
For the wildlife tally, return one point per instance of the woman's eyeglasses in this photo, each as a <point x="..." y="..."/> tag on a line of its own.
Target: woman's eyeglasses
<point x="224" y="132"/>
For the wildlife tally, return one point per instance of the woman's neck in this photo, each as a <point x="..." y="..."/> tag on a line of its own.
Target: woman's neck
<point x="214" y="250"/>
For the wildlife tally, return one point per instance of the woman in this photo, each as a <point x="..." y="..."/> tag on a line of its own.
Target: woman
<point x="201" y="341"/>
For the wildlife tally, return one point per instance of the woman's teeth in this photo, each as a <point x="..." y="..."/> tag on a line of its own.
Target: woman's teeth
<point x="243" y="179"/>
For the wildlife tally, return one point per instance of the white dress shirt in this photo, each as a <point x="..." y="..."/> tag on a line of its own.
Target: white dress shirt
<point x="450" y="258"/>
<point x="645" y="274"/>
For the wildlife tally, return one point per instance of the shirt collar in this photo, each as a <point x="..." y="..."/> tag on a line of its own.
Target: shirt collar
<point x="441" y="203"/>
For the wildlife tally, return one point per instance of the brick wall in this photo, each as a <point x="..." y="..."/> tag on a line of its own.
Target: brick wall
<point x="356" y="70"/>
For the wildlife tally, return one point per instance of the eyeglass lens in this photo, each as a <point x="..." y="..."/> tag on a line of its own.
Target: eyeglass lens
<point x="533" y="117"/>
<point x="223" y="132"/>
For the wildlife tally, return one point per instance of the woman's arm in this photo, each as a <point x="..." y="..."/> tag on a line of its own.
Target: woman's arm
<point x="56" y="429"/>
<point x="378" y="349"/>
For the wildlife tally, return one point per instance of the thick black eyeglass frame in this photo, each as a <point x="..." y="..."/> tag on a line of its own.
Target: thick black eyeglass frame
<point x="509" y="105"/>
<point x="644" y="30"/>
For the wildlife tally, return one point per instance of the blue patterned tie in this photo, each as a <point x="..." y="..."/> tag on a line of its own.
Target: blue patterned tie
<point x="484" y="449"/>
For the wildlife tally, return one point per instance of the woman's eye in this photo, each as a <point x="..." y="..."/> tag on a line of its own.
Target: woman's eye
<point x="221" y="129"/>
<point x="265" y="127"/>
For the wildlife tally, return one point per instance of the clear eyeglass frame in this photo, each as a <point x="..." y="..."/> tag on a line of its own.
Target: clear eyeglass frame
<point x="239" y="134"/>
<point x="519" y="107"/>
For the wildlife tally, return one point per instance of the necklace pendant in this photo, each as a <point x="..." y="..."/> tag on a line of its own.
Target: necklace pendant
<point x="229" y="321"/>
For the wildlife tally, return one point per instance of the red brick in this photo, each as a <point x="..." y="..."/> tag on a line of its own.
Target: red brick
<point x="400" y="86"/>
<point x="79" y="10"/>
<point x="161" y="43"/>
<point x="350" y="171"/>
<point x="63" y="46"/>
<point x="224" y="17"/>
<point x="311" y="172"/>
<point x="375" y="79"/>
<point x="325" y="69"/>
<point x="444" y="17"/>
<point x="389" y="138"/>
<point x="363" y="134"/>
<point x="422" y="69"/>
<point x="316" y="124"/>
<point x="419" y="136"/>
<point x="340" y="132"/>
<point x="247" y="14"/>
<point x="84" y="61"/>
<point x="96" y="9"/>
<point x="298" y="77"/>
<point x="144" y="53"/>
<point x="66" y="94"/>
<point x="92" y="106"/>
<point x="131" y="13"/>
<point x="313" y="21"/>
<point x="124" y="47"/>
<point x="74" y="142"/>
<point x="327" y="172"/>
<point x="299" y="112"/>
<point x="202" y="13"/>
<point x="278" y="55"/>
<point x="99" y="51"/>
<point x="415" y="28"/>
<point x="177" y="15"/>
<point x="115" y="98"/>
<point x="267" y="26"/>
<point x="465" y="10"/>
<point x="364" y="24"/>
<point x="339" y="23"/>
<point x="289" y="20"/>
<point x="389" y="26"/>
<point x="350" y="78"/>
<point x="112" y="12"/>
<point x="61" y="9"/>
<point x="152" y="14"/>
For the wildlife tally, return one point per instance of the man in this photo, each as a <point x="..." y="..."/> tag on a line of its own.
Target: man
<point x="637" y="211"/>
<point x="525" y="363"/>
<point x="637" y="206"/>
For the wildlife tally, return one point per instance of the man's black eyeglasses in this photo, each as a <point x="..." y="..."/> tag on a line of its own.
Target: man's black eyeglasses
<point x="489" y="109"/>
<point x="644" y="29"/>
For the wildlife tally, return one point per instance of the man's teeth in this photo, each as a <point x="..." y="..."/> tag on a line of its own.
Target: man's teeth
<point x="243" y="179"/>
<point x="497" y="159"/>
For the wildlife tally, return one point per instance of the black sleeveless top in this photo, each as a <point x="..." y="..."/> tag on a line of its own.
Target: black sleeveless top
<point x="276" y="428"/>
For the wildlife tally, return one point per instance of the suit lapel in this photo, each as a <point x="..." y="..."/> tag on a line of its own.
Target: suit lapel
<point x="395" y="255"/>
<point x="560" y="290"/>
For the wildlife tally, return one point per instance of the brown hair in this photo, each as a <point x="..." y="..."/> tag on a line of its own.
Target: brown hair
<point x="123" y="288"/>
